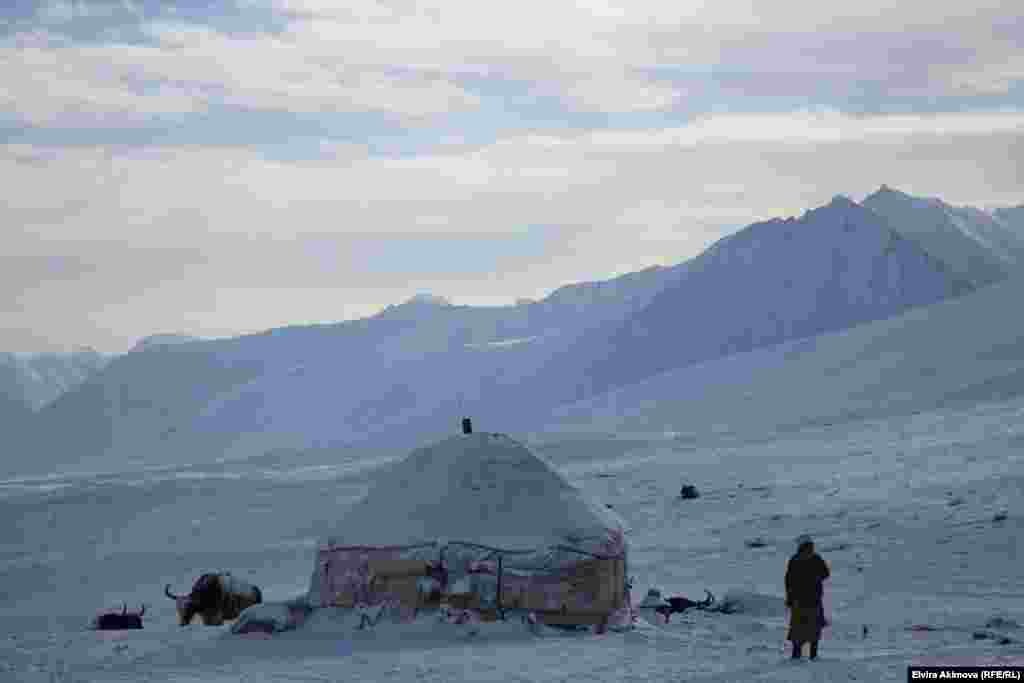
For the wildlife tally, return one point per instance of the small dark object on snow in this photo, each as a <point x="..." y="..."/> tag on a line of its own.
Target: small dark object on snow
<point x="569" y="627"/>
<point x="467" y="426"/>
<point x="680" y="604"/>
<point x="609" y="506"/>
<point x="981" y="635"/>
<point x="1000" y="517"/>
<point x="864" y="631"/>
<point x="1001" y="622"/>
<point x="689" y="492"/>
<point x="755" y="542"/>
<point x="256" y="627"/>
<point x="116" y="621"/>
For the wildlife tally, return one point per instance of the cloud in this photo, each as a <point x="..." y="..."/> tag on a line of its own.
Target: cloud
<point x="804" y="127"/>
<point x="411" y="61"/>
<point x="63" y="11"/>
<point x="767" y="48"/>
<point x="51" y="82"/>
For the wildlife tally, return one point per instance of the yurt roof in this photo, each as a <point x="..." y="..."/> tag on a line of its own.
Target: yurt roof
<point x="474" y="488"/>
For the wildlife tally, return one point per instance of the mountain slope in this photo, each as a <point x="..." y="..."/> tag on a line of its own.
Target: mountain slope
<point x="835" y="267"/>
<point x="958" y="351"/>
<point x="975" y="247"/>
<point x="15" y="414"/>
<point x="418" y="381"/>
<point x="1012" y="220"/>
<point x="39" y="378"/>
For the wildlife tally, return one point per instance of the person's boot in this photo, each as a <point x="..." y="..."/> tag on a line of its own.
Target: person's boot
<point x="796" y="650"/>
<point x="814" y="649"/>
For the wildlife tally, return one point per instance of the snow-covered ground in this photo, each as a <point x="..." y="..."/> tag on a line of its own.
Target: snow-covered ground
<point x="904" y="509"/>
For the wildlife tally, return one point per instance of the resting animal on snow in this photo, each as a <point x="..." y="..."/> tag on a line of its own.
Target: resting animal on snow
<point x="215" y="598"/>
<point x="112" y="621"/>
<point x="680" y="604"/>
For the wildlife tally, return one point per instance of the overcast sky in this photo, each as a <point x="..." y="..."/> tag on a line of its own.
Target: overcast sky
<point x="215" y="167"/>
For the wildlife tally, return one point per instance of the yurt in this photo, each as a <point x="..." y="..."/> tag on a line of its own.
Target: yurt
<point x="478" y="522"/>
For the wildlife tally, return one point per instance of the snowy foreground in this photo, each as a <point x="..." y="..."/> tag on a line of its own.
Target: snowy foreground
<point x="918" y="516"/>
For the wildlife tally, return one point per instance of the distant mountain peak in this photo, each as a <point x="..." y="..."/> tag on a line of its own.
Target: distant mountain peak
<point x="973" y="245"/>
<point x="429" y="299"/>
<point x="840" y="204"/>
<point x="841" y="201"/>
<point x="887" y="192"/>
<point x="157" y="340"/>
<point x="422" y="303"/>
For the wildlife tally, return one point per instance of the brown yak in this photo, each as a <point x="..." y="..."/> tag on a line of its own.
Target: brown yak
<point x="215" y="598"/>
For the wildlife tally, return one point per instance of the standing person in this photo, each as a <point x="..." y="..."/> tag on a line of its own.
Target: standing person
<point x="804" y="576"/>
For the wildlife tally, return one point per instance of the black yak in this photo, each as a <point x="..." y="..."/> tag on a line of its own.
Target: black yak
<point x="113" y="621"/>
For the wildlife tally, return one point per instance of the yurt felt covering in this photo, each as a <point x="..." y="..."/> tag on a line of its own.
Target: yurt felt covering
<point x="447" y="520"/>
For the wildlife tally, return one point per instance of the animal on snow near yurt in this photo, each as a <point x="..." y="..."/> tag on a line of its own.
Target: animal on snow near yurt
<point x="115" y="621"/>
<point x="215" y="598"/>
<point x="681" y="604"/>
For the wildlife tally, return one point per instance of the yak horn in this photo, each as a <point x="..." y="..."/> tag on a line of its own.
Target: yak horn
<point x="710" y="599"/>
<point x="124" y="608"/>
<point x="143" y="610"/>
<point x="168" y="593"/>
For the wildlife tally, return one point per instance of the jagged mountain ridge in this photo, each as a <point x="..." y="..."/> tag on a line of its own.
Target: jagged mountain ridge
<point x="971" y="242"/>
<point x="835" y="267"/>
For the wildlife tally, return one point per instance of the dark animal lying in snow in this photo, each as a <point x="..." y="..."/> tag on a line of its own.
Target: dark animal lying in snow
<point x="215" y="598"/>
<point x="681" y="604"/>
<point x="113" y="621"/>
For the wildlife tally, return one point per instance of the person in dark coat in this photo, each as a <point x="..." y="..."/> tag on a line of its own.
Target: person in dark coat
<point x="804" y="576"/>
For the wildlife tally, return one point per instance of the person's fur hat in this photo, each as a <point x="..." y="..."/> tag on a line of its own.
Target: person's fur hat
<point x="803" y="540"/>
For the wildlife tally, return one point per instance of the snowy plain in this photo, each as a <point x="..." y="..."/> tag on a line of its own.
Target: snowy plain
<point x="904" y="508"/>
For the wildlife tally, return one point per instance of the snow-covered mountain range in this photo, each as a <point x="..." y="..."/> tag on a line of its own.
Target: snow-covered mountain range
<point x="304" y="386"/>
<point x="409" y="372"/>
